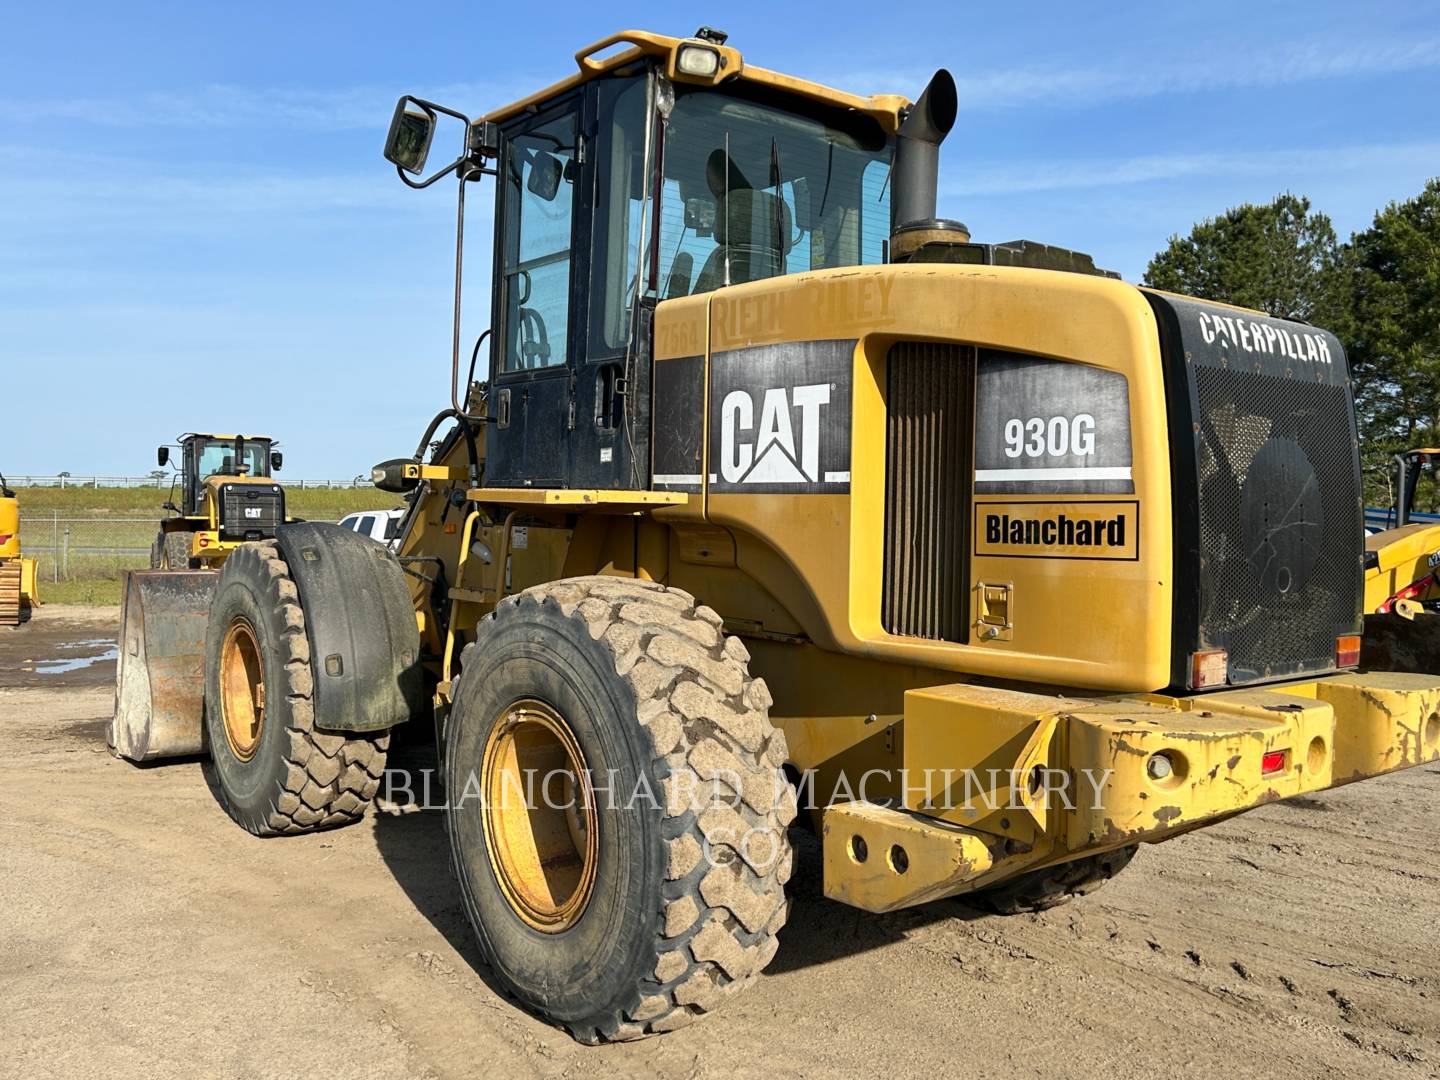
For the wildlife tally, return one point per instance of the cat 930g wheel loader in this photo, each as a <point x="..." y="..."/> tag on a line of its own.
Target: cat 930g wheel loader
<point x="783" y="495"/>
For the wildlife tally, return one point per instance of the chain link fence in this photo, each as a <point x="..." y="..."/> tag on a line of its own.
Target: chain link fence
<point x="68" y="548"/>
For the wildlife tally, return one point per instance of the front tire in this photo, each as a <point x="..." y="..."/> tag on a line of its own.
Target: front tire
<point x="662" y="894"/>
<point x="275" y="770"/>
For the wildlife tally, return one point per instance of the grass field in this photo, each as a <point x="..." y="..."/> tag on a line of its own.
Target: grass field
<point x="314" y="504"/>
<point x="84" y="538"/>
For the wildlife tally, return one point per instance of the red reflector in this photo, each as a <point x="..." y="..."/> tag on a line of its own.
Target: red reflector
<point x="204" y="541"/>
<point x="1273" y="762"/>
<point x="5" y="538"/>
<point x="1347" y="650"/>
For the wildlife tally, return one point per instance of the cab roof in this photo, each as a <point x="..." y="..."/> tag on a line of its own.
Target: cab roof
<point x="214" y="435"/>
<point x="886" y="109"/>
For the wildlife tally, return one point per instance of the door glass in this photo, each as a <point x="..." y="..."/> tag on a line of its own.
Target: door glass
<point x="539" y="202"/>
<point x="620" y="188"/>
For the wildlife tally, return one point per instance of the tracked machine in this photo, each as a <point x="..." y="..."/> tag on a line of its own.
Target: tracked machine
<point x="18" y="595"/>
<point x="782" y="495"/>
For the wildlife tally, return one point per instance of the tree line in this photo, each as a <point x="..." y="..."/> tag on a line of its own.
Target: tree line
<point x="1378" y="292"/>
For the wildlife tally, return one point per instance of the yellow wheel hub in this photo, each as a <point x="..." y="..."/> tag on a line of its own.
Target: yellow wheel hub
<point x="242" y="689"/>
<point x="541" y="827"/>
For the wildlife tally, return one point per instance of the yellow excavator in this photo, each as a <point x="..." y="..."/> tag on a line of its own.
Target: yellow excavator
<point x="783" y="496"/>
<point x="18" y="595"/>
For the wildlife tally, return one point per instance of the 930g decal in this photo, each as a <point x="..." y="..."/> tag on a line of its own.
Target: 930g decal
<point x="1050" y="427"/>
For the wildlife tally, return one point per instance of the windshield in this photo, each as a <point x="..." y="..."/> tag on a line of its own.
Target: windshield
<point x="752" y="191"/>
<point x="218" y="456"/>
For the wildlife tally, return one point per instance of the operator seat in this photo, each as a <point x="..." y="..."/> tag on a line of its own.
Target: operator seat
<point x="754" y="228"/>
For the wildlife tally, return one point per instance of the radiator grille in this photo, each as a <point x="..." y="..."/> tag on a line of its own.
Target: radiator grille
<point x="251" y="511"/>
<point x="929" y="445"/>
<point x="1279" y="521"/>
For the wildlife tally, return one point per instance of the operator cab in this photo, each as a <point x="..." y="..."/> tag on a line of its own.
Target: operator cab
<point x="642" y="181"/>
<point x="204" y="455"/>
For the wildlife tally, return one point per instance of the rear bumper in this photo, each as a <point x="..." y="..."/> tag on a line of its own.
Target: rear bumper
<point x="1000" y="782"/>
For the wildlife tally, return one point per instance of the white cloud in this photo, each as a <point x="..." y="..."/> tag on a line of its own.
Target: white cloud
<point x="229" y="107"/>
<point x="1296" y="165"/>
<point x="1209" y="66"/>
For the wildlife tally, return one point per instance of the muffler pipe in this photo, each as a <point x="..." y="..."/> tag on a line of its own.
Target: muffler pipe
<point x="915" y="178"/>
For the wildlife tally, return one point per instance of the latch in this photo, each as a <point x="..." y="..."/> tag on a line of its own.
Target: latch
<point x="995" y="614"/>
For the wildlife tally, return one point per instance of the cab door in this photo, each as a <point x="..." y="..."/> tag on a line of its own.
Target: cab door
<point x="533" y="359"/>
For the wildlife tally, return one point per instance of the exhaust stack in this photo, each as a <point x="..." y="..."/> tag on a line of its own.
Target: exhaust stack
<point x="916" y="172"/>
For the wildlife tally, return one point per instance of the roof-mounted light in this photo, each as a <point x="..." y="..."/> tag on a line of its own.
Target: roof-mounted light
<point x="697" y="61"/>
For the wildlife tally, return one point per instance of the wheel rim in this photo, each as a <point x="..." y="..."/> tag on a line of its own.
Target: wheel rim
<point x="541" y="827"/>
<point x="242" y="689"/>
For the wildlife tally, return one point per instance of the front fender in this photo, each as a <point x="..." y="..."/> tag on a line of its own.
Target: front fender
<point x="364" y="642"/>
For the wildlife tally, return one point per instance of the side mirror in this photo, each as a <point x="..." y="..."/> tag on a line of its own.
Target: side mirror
<point x="162" y="456"/>
<point x="411" y="130"/>
<point x="277" y="459"/>
<point x="545" y="175"/>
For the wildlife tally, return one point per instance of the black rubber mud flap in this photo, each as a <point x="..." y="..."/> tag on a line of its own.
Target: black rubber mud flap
<point x="364" y="643"/>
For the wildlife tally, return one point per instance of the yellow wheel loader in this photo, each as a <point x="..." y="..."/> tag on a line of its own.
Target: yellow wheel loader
<point x="782" y="495"/>
<point x="227" y="498"/>
<point x="1402" y="592"/>
<point x="18" y="594"/>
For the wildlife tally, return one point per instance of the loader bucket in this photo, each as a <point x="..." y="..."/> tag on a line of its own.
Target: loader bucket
<point x="1402" y="642"/>
<point x="160" y="676"/>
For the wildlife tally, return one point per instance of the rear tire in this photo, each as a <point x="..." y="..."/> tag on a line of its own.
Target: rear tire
<point x="685" y="889"/>
<point x="1052" y="886"/>
<point x="171" y="551"/>
<point x="276" y="772"/>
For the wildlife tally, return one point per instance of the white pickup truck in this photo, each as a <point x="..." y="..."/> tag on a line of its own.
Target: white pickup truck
<point x="379" y="525"/>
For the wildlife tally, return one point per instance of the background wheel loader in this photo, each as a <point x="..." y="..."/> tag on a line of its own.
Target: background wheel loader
<point x="1402" y="594"/>
<point x="18" y="594"/>
<point x="227" y="498"/>
<point x="784" y="495"/>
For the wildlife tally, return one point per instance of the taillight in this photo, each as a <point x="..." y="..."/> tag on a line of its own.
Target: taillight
<point x="5" y="538"/>
<point x="1273" y="762"/>
<point x="1210" y="668"/>
<point x="1347" y="650"/>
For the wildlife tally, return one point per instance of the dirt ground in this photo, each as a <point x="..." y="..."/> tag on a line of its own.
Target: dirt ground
<point x="143" y="935"/>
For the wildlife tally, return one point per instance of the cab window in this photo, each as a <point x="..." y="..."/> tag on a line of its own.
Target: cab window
<point x="538" y="175"/>
<point x="753" y="191"/>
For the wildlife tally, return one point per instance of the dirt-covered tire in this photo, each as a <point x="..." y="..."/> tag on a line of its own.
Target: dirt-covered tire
<point x="1053" y="885"/>
<point x="688" y="886"/>
<point x="275" y="770"/>
<point x="173" y="552"/>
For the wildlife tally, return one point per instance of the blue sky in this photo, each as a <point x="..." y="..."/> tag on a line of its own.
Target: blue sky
<point x="197" y="230"/>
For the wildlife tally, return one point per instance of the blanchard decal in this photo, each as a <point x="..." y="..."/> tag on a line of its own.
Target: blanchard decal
<point x="1050" y="427"/>
<point x="1058" y="530"/>
<point x="780" y="418"/>
<point x="679" y="387"/>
